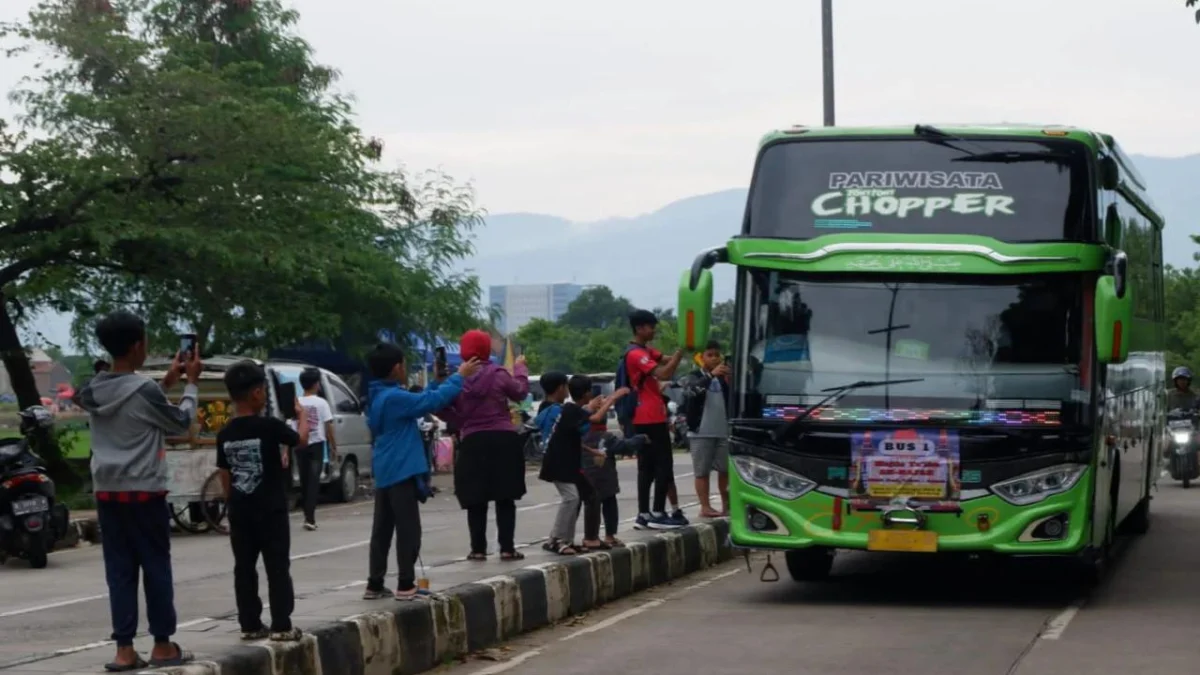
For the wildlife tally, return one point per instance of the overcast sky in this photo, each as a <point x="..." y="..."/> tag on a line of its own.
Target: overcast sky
<point x="589" y="110"/>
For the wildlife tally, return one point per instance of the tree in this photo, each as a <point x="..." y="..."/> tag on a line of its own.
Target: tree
<point x="597" y="307"/>
<point x="186" y="158"/>
<point x="548" y="346"/>
<point x="1193" y="3"/>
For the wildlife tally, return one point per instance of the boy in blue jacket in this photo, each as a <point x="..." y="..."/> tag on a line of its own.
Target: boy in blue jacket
<point x="400" y="465"/>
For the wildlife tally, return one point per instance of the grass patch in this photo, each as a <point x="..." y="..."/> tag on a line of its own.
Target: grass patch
<point x="78" y="441"/>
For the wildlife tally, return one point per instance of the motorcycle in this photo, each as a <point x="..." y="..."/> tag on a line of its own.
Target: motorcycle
<point x="531" y="442"/>
<point x="30" y="519"/>
<point x="1184" y="445"/>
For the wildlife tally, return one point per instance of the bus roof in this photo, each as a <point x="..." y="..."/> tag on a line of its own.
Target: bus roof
<point x="1091" y="138"/>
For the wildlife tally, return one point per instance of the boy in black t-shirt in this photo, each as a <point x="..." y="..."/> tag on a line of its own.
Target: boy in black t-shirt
<point x="252" y="453"/>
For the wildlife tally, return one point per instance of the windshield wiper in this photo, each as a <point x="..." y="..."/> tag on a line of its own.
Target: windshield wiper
<point x="936" y="135"/>
<point x="1013" y="156"/>
<point x="837" y="394"/>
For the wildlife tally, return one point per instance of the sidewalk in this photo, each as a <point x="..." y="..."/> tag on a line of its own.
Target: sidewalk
<point x="472" y="608"/>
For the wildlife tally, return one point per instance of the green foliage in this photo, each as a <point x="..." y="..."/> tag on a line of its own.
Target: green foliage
<point x="187" y="159"/>
<point x="597" y="308"/>
<point x="591" y="335"/>
<point x="1193" y="3"/>
<point x="202" y="171"/>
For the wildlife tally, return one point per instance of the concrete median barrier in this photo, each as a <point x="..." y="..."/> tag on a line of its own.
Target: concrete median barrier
<point x="414" y="637"/>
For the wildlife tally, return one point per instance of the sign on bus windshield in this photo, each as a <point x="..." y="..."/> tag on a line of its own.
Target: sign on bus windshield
<point x="1012" y="190"/>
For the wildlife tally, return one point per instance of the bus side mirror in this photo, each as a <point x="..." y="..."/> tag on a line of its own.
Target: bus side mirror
<point x="1114" y="317"/>
<point x="695" y="309"/>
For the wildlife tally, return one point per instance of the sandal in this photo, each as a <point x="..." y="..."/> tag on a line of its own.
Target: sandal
<point x="598" y="546"/>
<point x="613" y="542"/>
<point x="477" y="556"/>
<point x="293" y="634"/>
<point x="181" y="657"/>
<point x="512" y="555"/>
<point x="566" y="548"/>
<point x="259" y="634"/>
<point x="139" y="664"/>
<point x="550" y="545"/>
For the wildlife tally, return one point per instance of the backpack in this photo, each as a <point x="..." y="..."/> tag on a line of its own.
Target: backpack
<point x="626" y="406"/>
<point x="545" y="425"/>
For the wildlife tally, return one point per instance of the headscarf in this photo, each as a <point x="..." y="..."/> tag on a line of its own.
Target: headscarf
<point x="475" y="344"/>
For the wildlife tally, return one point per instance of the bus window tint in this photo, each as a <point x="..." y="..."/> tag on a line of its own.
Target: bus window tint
<point x="1012" y="190"/>
<point x="973" y="341"/>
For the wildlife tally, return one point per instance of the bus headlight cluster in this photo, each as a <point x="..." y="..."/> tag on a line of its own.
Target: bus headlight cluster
<point x="1035" y="486"/>
<point x="771" y="479"/>
<point x="1182" y="437"/>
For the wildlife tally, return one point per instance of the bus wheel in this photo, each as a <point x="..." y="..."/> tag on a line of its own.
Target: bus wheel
<point x="1139" y="521"/>
<point x="809" y="564"/>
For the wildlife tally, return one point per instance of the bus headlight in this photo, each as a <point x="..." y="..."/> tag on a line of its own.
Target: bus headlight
<point x="1035" y="486"/>
<point x="771" y="479"/>
<point x="1181" y="437"/>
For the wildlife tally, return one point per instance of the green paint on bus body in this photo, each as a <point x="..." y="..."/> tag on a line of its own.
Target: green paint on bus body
<point x="846" y="243"/>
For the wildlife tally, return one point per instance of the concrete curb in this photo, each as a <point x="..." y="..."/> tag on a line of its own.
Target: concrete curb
<point x="413" y="637"/>
<point x="79" y="531"/>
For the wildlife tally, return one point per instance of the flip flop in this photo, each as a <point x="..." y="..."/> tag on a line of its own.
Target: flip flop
<point x="182" y="657"/>
<point x="127" y="667"/>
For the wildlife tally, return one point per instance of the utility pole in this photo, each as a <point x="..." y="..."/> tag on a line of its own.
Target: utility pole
<point x="827" y="60"/>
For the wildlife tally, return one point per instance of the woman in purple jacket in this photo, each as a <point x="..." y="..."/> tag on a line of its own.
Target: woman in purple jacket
<point x="489" y="465"/>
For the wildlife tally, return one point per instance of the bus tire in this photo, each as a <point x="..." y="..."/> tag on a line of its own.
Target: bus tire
<point x="1138" y="521"/>
<point x="809" y="564"/>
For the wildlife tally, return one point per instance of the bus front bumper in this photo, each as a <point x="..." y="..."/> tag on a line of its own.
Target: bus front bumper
<point x="985" y="524"/>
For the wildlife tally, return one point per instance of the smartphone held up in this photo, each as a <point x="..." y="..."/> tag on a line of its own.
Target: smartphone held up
<point x="187" y="349"/>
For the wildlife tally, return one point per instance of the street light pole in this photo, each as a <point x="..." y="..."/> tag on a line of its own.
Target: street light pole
<point x="827" y="60"/>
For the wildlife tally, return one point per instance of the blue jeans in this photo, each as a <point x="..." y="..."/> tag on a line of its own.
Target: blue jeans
<point x="136" y="537"/>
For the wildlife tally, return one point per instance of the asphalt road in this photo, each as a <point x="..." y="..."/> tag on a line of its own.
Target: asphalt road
<point x="65" y="606"/>
<point x="886" y="615"/>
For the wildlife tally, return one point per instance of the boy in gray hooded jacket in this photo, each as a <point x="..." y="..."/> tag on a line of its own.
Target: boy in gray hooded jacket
<point x="130" y="419"/>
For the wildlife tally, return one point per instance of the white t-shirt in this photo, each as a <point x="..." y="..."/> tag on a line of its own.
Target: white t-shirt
<point x="319" y="413"/>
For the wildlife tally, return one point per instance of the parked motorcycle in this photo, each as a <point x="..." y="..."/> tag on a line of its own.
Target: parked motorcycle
<point x="531" y="442"/>
<point x="1184" y="446"/>
<point x="31" y="520"/>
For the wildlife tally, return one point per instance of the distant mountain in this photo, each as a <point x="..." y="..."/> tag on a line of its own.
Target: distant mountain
<point x="535" y="248"/>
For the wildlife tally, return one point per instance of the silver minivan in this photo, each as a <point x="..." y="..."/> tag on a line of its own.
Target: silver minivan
<point x="352" y="437"/>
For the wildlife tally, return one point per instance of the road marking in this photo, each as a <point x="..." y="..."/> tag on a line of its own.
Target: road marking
<point x="508" y="665"/>
<point x="644" y="607"/>
<point x="534" y="507"/>
<point x="335" y="549"/>
<point x="1057" y="624"/>
<point x="51" y="605"/>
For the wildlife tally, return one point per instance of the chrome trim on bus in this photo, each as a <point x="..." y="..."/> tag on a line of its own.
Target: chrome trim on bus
<point x="900" y="247"/>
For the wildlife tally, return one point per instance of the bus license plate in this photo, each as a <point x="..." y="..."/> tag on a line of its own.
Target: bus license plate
<point x="908" y="541"/>
<point x="31" y="505"/>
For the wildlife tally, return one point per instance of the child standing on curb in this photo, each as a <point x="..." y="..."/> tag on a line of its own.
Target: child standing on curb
<point x="605" y="483"/>
<point x="252" y="454"/>
<point x="565" y="457"/>
<point x="400" y="465"/>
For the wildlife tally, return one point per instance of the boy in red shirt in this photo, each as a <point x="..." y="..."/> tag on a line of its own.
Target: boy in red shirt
<point x="656" y="465"/>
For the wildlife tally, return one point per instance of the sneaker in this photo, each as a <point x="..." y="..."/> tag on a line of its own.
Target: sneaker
<point x="290" y="635"/>
<point x="661" y="521"/>
<point x="376" y="594"/>
<point x="410" y="594"/>
<point x="678" y="517"/>
<point x="259" y="634"/>
<point x="311" y="527"/>
<point x="642" y="522"/>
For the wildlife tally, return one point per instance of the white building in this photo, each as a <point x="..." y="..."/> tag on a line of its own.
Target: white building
<point x="519" y="304"/>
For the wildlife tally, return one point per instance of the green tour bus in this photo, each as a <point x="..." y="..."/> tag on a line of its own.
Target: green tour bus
<point x="947" y="339"/>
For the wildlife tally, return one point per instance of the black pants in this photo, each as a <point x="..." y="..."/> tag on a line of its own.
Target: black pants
<point x="137" y="538"/>
<point x="595" y="508"/>
<point x="506" y="526"/>
<point x="656" y="467"/>
<point x="398" y="512"/>
<point x="254" y="532"/>
<point x="310" y="460"/>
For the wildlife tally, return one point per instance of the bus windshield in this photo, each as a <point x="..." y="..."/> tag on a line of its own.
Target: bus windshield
<point x="977" y="344"/>
<point x="1012" y="190"/>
